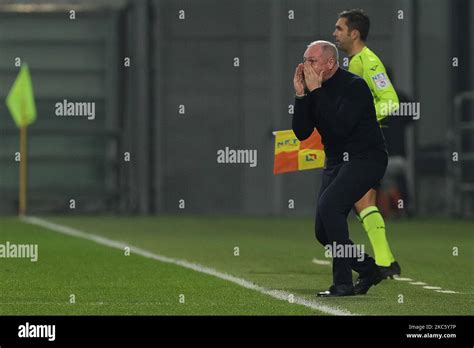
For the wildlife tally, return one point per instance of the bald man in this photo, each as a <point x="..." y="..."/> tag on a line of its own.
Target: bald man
<point x="340" y="106"/>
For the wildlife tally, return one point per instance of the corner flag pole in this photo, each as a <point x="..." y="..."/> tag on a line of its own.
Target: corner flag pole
<point x="23" y="179"/>
<point x="23" y="160"/>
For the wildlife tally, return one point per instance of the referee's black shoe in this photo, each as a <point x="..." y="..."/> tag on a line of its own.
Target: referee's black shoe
<point x="337" y="290"/>
<point x="390" y="271"/>
<point x="364" y="282"/>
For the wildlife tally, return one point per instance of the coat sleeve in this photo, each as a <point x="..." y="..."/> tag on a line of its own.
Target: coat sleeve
<point x="303" y="120"/>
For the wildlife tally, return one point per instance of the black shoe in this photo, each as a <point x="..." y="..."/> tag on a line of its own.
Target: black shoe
<point x="337" y="290"/>
<point x="390" y="271"/>
<point x="364" y="282"/>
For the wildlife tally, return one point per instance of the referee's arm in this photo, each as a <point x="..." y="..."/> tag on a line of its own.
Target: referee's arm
<point x="385" y="97"/>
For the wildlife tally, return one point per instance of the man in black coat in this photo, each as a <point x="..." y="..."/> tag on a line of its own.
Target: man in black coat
<point x="340" y="106"/>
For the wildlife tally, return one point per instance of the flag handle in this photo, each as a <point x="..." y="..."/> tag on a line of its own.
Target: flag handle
<point x="22" y="183"/>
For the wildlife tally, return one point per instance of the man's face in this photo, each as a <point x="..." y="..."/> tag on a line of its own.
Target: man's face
<point x="315" y="57"/>
<point x="342" y="35"/>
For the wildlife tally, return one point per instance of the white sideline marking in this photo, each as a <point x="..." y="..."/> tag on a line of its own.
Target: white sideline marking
<point x="432" y="287"/>
<point x="403" y="279"/>
<point x="417" y="283"/>
<point x="278" y="294"/>
<point x="321" y="262"/>
<point x="446" y="291"/>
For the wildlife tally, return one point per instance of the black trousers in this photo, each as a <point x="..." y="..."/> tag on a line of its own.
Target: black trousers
<point x="342" y="185"/>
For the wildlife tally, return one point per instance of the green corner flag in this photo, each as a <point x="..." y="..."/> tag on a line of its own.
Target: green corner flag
<point x="20" y="100"/>
<point x="21" y="103"/>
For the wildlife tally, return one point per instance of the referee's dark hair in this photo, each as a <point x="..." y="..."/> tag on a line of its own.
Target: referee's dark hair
<point x="358" y="20"/>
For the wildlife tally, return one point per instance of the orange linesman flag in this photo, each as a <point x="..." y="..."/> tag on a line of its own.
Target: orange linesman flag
<point x="292" y="155"/>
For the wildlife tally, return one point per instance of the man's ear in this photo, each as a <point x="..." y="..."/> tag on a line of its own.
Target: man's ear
<point x="354" y="34"/>
<point x="332" y="62"/>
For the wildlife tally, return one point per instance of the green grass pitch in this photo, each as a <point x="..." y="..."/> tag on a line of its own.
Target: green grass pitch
<point x="274" y="253"/>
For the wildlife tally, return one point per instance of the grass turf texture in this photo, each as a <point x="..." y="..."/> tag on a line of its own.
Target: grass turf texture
<point x="274" y="252"/>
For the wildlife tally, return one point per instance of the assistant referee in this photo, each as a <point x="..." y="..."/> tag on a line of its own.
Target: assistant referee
<point x="340" y="106"/>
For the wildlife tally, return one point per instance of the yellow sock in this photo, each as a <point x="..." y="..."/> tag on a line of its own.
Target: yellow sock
<point x="374" y="225"/>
